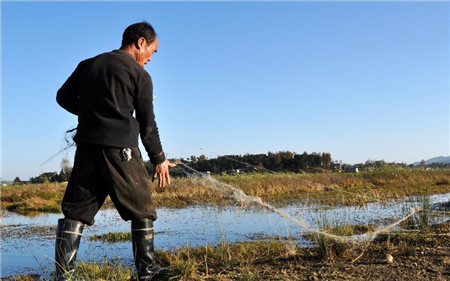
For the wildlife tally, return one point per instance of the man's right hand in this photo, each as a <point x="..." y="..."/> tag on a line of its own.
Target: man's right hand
<point x="161" y="172"/>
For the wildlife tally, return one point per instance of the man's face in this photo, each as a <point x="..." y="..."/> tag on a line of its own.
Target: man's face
<point x="146" y="51"/>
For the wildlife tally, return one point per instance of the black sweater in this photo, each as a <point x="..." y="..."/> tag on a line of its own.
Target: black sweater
<point x="104" y="91"/>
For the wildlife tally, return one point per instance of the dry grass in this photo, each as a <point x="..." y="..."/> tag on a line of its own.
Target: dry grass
<point x="195" y="263"/>
<point x="325" y="188"/>
<point x="343" y="188"/>
<point x="33" y="197"/>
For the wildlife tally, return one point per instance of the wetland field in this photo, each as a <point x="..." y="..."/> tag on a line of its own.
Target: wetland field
<point x="394" y="224"/>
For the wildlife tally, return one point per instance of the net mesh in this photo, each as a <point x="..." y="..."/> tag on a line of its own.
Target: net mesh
<point x="243" y="199"/>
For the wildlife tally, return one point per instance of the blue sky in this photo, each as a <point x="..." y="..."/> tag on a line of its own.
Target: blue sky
<point x="361" y="80"/>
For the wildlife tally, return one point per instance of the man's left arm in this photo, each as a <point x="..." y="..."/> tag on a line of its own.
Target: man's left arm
<point x="143" y="103"/>
<point x="149" y="130"/>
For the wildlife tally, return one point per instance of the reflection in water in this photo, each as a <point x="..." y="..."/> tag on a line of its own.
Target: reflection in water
<point x="24" y="252"/>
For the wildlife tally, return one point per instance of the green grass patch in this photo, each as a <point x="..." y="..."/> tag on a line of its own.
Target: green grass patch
<point x="330" y="248"/>
<point x="104" y="271"/>
<point x="111" y="237"/>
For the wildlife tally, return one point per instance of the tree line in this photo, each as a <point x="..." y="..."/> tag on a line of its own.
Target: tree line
<point x="270" y="162"/>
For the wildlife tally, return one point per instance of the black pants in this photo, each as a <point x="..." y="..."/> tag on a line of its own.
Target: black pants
<point x="100" y="171"/>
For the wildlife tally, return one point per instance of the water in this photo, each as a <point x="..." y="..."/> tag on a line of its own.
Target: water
<point x="197" y="225"/>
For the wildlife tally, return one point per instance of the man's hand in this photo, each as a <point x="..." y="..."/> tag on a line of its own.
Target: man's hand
<point x="161" y="172"/>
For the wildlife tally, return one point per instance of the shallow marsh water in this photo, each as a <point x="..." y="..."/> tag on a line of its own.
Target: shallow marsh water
<point x="28" y="241"/>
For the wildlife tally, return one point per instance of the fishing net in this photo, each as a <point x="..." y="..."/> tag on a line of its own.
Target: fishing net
<point x="355" y="244"/>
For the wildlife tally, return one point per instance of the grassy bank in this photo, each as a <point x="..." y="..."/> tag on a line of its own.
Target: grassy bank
<point x="324" y="188"/>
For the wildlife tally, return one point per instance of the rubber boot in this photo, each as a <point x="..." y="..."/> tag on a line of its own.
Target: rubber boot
<point x="144" y="251"/>
<point x="68" y="236"/>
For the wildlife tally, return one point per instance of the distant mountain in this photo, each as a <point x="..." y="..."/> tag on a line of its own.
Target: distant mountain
<point x="440" y="159"/>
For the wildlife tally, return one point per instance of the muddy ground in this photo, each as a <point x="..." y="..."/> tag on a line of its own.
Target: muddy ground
<point x="422" y="264"/>
<point x="415" y="257"/>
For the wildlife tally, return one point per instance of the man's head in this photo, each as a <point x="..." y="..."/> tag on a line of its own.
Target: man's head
<point x="136" y="31"/>
<point x="140" y="41"/>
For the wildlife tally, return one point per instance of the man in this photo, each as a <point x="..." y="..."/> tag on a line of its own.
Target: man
<point x="105" y="92"/>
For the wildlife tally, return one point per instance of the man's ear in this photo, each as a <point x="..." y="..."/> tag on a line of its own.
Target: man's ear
<point x="140" y="43"/>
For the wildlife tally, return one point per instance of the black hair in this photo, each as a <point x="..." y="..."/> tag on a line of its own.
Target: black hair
<point x="136" y="31"/>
